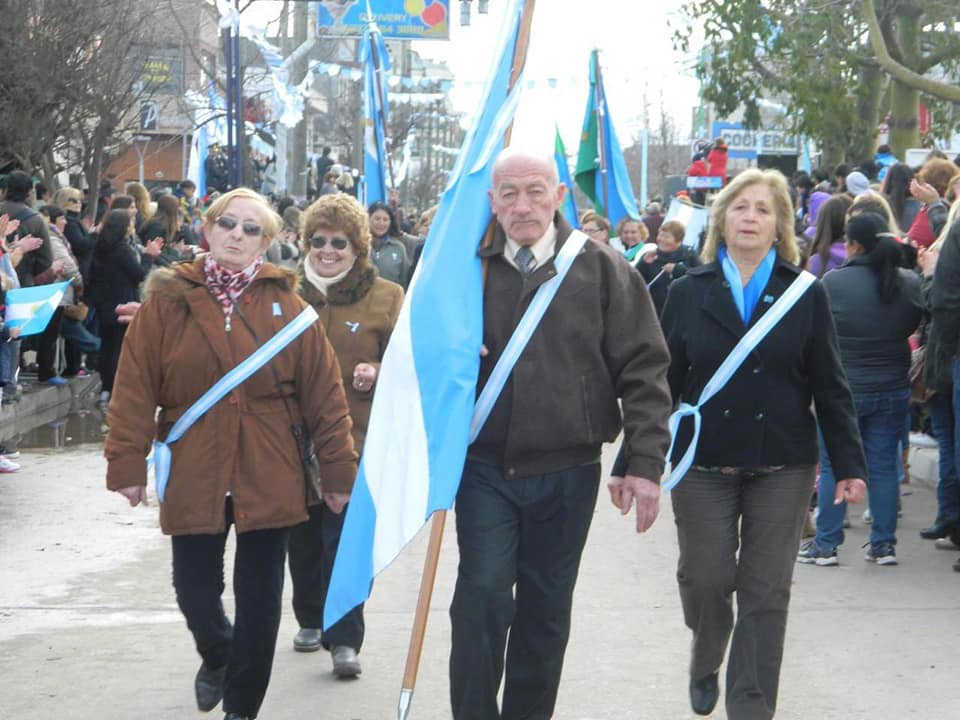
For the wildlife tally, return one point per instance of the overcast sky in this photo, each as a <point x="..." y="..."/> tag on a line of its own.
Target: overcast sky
<point x="637" y="56"/>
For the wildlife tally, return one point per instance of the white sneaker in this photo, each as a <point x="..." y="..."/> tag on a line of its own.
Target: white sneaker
<point x="8" y="466"/>
<point x="105" y="398"/>
<point x="867" y="516"/>
<point x="945" y="543"/>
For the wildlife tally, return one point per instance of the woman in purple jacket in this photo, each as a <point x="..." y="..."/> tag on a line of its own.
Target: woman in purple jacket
<point x="828" y="249"/>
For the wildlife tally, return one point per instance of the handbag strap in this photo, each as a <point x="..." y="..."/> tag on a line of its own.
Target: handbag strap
<point x="727" y="369"/>
<point x="161" y="450"/>
<point x="523" y="332"/>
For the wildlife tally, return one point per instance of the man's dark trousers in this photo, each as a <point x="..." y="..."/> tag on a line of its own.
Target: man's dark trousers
<point x="529" y="532"/>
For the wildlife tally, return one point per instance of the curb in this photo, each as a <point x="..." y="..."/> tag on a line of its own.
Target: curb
<point x="40" y="404"/>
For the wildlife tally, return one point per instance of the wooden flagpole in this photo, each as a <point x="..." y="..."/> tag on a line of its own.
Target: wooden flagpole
<point x="432" y="559"/>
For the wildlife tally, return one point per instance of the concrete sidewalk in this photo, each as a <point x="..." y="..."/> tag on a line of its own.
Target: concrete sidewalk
<point x="89" y="627"/>
<point x="40" y="403"/>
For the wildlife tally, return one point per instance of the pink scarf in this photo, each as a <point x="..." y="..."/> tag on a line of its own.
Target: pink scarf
<point x="228" y="285"/>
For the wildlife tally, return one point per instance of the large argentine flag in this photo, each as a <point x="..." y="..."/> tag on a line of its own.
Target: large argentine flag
<point x="376" y="62"/>
<point x="419" y="425"/>
<point x="31" y="308"/>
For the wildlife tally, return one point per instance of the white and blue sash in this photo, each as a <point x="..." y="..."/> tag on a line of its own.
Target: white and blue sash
<point x="727" y="369"/>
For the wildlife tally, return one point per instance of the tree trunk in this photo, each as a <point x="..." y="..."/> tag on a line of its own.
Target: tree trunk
<point x="905" y="99"/>
<point x="869" y="106"/>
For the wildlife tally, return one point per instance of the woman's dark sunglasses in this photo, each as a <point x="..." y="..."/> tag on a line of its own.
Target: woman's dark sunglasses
<point x="318" y="242"/>
<point x="249" y="228"/>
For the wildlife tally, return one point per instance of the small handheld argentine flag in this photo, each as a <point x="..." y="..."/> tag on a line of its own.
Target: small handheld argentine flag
<point x="31" y="308"/>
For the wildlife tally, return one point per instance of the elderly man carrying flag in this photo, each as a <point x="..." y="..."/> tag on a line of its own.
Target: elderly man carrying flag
<point x="532" y="474"/>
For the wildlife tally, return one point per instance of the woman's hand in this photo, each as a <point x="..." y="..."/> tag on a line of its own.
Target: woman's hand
<point x="336" y="501"/>
<point x="924" y="192"/>
<point x="153" y="247"/>
<point x="29" y="243"/>
<point x="8" y="226"/>
<point x="364" y="376"/>
<point x="135" y="495"/>
<point x="927" y="260"/>
<point x="849" y="490"/>
<point x="126" y="311"/>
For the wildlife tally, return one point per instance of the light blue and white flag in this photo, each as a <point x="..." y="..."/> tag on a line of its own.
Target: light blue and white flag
<point x="31" y="308"/>
<point x="419" y="426"/>
<point x="376" y="66"/>
<point x="601" y="170"/>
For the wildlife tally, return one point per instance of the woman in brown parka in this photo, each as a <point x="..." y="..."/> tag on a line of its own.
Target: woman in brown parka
<point x="238" y="464"/>
<point x="358" y="310"/>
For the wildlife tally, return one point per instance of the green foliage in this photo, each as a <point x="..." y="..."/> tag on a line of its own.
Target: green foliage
<point x="815" y="58"/>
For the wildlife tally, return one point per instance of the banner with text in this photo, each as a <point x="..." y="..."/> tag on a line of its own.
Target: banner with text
<point x="397" y="19"/>
<point x="743" y="143"/>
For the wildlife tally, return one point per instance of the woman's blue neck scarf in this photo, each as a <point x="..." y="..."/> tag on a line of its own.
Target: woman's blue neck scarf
<point x="746" y="298"/>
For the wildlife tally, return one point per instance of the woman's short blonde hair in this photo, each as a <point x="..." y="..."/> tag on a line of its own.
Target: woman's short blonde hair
<point x="337" y="211"/>
<point x="595" y="217"/>
<point x="786" y="242"/>
<point x="644" y="230"/>
<point x="872" y="201"/>
<point x="270" y="222"/>
<point x="63" y="196"/>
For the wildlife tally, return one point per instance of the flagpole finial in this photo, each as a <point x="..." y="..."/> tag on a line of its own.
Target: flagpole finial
<point x="403" y="708"/>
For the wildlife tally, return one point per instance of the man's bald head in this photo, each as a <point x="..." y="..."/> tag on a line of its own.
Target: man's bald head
<point x="516" y="161"/>
<point x="525" y="195"/>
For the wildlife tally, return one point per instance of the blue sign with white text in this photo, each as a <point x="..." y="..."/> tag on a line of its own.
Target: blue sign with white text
<point x="396" y="19"/>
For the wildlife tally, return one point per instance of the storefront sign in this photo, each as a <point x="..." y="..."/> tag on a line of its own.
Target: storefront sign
<point x="396" y="19"/>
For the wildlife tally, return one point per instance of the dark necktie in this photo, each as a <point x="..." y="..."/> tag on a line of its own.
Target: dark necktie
<point x="525" y="260"/>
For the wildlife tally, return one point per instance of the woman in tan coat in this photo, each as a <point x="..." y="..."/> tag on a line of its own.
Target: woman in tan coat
<point x="238" y="464"/>
<point x="358" y="310"/>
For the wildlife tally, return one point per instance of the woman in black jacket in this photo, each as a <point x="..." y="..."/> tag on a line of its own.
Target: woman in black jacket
<point x="670" y="262"/>
<point x="876" y="306"/>
<point x="115" y="277"/>
<point x="81" y="244"/>
<point x="740" y="509"/>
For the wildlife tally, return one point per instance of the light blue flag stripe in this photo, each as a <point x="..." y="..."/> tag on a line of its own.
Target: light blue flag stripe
<point x="569" y="208"/>
<point x="374" y="133"/>
<point x="620" y="198"/>
<point x="441" y="330"/>
<point x="31" y="308"/>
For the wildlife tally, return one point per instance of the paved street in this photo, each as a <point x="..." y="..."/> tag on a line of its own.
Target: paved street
<point x="89" y="628"/>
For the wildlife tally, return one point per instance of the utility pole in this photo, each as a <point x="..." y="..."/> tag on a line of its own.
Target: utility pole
<point x="298" y="146"/>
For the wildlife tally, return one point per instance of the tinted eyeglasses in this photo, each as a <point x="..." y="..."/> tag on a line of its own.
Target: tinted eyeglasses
<point x="251" y="229"/>
<point x="318" y="242"/>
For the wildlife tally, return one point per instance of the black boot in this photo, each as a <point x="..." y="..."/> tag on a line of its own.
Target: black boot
<point x="704" y="694"/>
<point x="208" y="686"/>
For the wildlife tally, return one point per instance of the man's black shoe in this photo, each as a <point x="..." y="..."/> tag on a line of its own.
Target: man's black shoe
<point x="236" y="716"/>
<point x="938" y="530"/>
<point x="704" y="694"/>
<point x="208" y="686"/>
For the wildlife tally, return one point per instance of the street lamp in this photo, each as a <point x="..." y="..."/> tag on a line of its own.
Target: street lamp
<point x="140" y="143"/>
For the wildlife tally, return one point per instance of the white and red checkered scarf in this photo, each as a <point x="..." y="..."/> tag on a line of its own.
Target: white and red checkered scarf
<point x="228" y="285"/>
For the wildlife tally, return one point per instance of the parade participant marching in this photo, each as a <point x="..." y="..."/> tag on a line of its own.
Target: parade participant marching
<point x="740" y="509"/>
<point x="358" y="310"/>
<point x="237" y="462"/>
<point x="531" y="479"/>
<point x="876" y="307"/>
